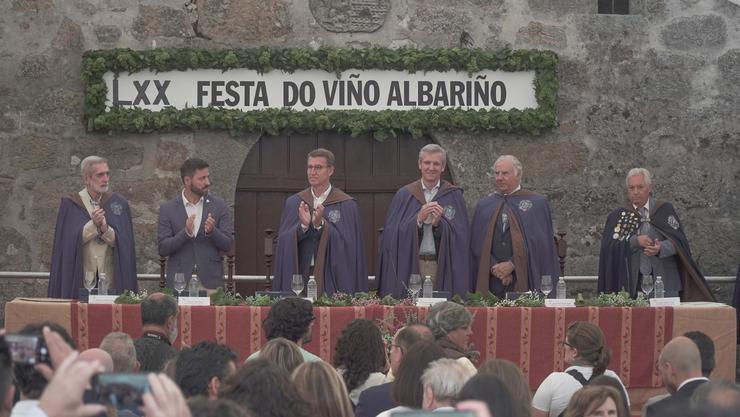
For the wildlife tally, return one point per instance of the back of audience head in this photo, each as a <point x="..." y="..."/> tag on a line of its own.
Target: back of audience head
<point x="491" y="390"/>
<point x="607" y="381"/>
<point x="706" y="350"/>
<point x="404" y="339"/>
<point x="290" y="318"/>
<point x="95" y="354"/>
<point x="260" y="385"/>
<point x="159" y="312"/>
<point x="588" y="400"/>
<point x="514" y="379"/>
<point x="200" y="370"/>
<point x="323" y="389"/>
<point x="589" y="343"/>
<point x="121" y="348"/>
<point x="283" y="353"/>
<point x="407" y="389"/>
<point x="28" y="380"/>
<point x="717" y="398"/>
<point x="201" y="406"/>
<point x="679" y="360"/>
<point x="442" y="381"/>
<point x="7" y="390"/>
<point x="360" y="351"/>
<point x="152" y="354"/>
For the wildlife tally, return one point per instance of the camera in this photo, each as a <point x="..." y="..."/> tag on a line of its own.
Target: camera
<point x="120" y="389"/>
<point x="27" y="349"/>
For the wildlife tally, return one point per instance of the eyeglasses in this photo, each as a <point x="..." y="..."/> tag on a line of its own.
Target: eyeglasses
<point x="568" y="344"/>
<point x="315" y="168"/>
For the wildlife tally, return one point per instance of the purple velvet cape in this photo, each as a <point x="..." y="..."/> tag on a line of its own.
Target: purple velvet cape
<point x="66" y="273"/>
<point x="340" y="260"/>
<point x="532" y="219"/>
<point x="399" y="252"/>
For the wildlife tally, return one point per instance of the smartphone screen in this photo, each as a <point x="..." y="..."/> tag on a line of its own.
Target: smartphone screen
<point x="120" y="389"/>
<point x="27" y="349"/>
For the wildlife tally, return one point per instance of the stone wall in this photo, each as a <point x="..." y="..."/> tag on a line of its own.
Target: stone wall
<point x="659" y="88"/>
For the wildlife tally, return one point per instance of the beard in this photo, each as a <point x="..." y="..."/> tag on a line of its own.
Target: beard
<point x="201" y="192"/>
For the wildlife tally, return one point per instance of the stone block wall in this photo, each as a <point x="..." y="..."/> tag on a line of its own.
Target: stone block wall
<point x="658" y="88"/>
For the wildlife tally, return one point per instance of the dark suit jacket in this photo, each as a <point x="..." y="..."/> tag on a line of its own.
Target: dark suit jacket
<point x="375" y="400"/>
<point x="675" y="405"/>
<point x="205" y="251"/>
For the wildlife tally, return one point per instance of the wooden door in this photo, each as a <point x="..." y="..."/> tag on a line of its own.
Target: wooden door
<point x="275" y="168"/>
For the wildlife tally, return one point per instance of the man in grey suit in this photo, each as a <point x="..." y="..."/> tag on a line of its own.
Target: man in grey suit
<point x="646" y="238"/>
<point x="195" y="228"/>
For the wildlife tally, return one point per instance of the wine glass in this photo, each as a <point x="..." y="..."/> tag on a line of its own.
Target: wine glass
<point x="647" y="285"/>
<point x="546" y="285"/>
<point x="297" y="284"/>
<point x="179" y="283"/>
<point x="414" y="284"/>
<point x="89" y="281"/>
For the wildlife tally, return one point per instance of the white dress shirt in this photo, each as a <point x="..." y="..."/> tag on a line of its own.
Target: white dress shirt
<point x="191" y="209"/>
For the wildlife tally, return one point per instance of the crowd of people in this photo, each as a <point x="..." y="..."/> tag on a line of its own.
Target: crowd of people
<point x="426" y="366"/>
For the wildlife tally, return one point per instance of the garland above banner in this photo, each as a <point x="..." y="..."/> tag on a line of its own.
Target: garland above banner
<point x="375" y="90"/>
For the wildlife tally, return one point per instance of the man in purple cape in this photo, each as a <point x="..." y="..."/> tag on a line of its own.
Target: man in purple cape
<point x="512" y="235"/>
<point x="426" y="232"/>
<point x="646" y="238"/>
<point x="320" y="234"/>
<point x="93" y="233"/>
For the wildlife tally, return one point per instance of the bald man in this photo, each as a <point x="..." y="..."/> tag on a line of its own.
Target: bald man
<point x="99" y="355"/>
<point x="680" y="368"/>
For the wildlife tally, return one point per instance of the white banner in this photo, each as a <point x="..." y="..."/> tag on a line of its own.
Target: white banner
<point x="247" y="90"/>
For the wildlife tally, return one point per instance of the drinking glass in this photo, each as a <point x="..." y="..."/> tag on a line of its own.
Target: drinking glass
<point x="297" y="284"/>
<point x="546" y="285"/>
<point x="179" y="283"/>
<point x="89" y="281"/>
<point x="414" y="284"/>
<point x="647" y="284"/>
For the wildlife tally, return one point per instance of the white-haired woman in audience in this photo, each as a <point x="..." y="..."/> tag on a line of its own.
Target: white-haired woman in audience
<point x="588" y="355"/>
<point x="450" y="324"/>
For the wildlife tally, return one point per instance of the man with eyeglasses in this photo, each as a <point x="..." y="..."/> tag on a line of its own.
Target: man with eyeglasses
<point x="320" y="234"/>
<point x="93" y="234"/>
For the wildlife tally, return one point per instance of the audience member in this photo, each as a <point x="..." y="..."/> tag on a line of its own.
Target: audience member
<point x="360" y="357"/>
<point x="716" y="399"/>
<point x="706" y="350"/>
<point x="283" y="353"/>
<point x="30" y="381"/>
<point x="442" y="381"/>
<point x="492" y="391"/>
<point x="377" y="399"/>
<point x="159" y="331"/>
<point x="407" y="390"/>
<point x="291" y="318"/>
<point x="514" y="379"/>
<point x="7" y="390"/>
<point x="323" y="389"/>
<point x="262" y="387"/>
<point x="477" y="407"/>
<point x="200" y="370"/>
<point x="680" y="368"/>
<point x="588" y="355"/>
<point x="450" y="323"/>
<point x="603" y="380"/>
<point x="596" y="401"/>
<point x="97" y="355"/>
<point x="203" y="407"/>
<point x="121" y="348"/>
<point x="170" y="365"/>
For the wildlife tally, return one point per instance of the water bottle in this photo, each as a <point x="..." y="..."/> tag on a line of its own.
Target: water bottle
<point x="561" y="291"/>
<point x="311" y="288"/>
<point x="659" y="287"/>
<point x="194" y="287"/>
<point x="102" y="283"/>
<point x="428" y="287"/>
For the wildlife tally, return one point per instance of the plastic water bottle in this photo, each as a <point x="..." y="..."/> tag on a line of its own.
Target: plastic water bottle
<point x="561" y="292"/>
<point x="428" y="288"/>
<point x="311" y="288"/>
<point x="194" y="286"/>
<point x="659" y="287"/>
<point x="102" y="283"/>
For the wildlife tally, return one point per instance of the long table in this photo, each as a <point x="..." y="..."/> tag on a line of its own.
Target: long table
<point x="530" y="337"/>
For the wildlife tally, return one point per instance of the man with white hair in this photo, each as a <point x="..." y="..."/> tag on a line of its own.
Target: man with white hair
<point x="93" y="235"/>
<point x="121" y="349"/>
<point x="646" y="238"/>
<point x="426" y="232"/>
<point x="442" y="381"/>
<point x="512" y="235"/>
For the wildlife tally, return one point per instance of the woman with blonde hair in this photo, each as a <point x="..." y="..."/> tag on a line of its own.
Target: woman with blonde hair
<point x="283" y="353"/>
<point x="323" y="389"/>
<point x="586" y="352"/>
<point x="596" y="401"/>
<point x="513" y="378"/>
